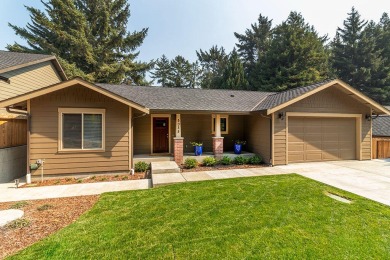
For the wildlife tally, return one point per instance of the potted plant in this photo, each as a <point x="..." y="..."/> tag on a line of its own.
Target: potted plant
<point x="198" y="148"/>
<point x="238" y="146"/>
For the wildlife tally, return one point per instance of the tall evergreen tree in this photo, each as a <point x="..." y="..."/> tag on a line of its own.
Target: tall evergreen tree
<point x="359" y="56"/>
<point x="212" y="65"/>
<point x="347" y="54"/>
<point x="161" y="71"/>
<point x="253" y="46"/>
<point x="234" y="75"/>
<point x="296" y="57"/>
<point x="89" y="37"/>
<point x="180" y="73"/>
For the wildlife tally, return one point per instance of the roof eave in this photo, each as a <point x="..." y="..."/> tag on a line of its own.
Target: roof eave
<point x="341" y="83"/>
<point x="68" y="83"/>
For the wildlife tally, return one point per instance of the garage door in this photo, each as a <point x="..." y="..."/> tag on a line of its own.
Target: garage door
<point x="321" y="139"/>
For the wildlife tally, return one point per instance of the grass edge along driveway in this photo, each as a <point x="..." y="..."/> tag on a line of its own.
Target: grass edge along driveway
<point x="283" y="216"/>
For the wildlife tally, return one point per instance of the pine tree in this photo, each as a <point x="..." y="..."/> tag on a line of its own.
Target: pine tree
<point x="296" y="57"/>
<point x="212" y="63"/>
<point x="89" y="37"/>
<point x="253" y="47"/>
<point x="346" y="50"/>
<point x="180" y="73"/>
<point x="161" y="71"/>
<point x="359" y="56"/>
<point x="234" y="75"/>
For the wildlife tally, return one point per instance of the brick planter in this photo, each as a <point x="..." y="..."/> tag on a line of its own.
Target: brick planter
<point x="218" y="147"/>
<point x="178" y="149"/>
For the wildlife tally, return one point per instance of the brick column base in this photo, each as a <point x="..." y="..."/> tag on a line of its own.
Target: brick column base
<point x="178" y="150"/>
<point x="218" y="147"/>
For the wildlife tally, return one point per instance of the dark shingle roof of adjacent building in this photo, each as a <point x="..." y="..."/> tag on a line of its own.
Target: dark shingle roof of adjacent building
<point x="277" y="99"/>
<point x="159" y="98"/>
<point x="381" y="126"/>
<point x="12" y="59"/>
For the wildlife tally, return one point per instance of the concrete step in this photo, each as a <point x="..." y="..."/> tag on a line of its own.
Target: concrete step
<point x="152" y="159"/>
<point x="164" y="167"/>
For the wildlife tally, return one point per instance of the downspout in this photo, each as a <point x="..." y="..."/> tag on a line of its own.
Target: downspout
<point x="25" y="113"/>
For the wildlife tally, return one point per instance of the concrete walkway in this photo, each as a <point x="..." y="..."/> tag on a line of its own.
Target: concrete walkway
<point x="370" y="179"/>
<point x="8" y="191"/>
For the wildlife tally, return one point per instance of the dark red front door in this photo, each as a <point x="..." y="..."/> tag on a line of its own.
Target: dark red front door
<point x="160" y="135"/>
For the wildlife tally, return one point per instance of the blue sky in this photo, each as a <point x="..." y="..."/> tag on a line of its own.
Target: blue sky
<point x="180" y="27"/>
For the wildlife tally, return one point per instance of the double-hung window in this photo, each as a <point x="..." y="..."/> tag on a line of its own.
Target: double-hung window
<point x="81" y="129"/>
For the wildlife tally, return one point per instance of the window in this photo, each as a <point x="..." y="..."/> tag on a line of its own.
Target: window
<point x="224" y="124"/>
<point x="81" y="129"/>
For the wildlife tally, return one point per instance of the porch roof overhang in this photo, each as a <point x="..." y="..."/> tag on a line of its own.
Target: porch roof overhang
<point x="69" y="83"/>
<point x="198" y="112"/>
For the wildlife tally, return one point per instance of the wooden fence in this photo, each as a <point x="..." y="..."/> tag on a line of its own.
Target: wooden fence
<point x="380" y="147"/>
<point x="13" y="132"/>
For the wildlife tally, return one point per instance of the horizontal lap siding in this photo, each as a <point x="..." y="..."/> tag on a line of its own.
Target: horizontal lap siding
<point x="331" y="100"/>
<point x="28" y="79"/>
<point x="257" y="135"/>
<point x="44" y="133"/>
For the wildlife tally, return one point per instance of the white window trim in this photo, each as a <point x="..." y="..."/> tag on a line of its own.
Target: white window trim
<point x="227" y="124"/>
<point x="62" y="111"/>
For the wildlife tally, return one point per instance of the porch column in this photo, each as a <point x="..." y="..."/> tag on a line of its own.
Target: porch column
<point x="178" y="141"/>
<point x="218" y="139"/>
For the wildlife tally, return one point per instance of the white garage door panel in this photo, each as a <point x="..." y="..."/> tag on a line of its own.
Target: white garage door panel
<point x="321" y="139"/>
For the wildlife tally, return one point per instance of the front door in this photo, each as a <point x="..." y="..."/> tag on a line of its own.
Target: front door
<point x="160" y="135"/>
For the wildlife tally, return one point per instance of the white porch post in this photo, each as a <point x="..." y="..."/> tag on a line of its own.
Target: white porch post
<point x="178" y="149"/>
<point x="178" y="125"/>
<point x="217" y="125"/>
<point x="217" y="139"/>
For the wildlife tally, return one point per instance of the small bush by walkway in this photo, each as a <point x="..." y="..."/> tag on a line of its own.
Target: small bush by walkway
<point x="284" y="216"/>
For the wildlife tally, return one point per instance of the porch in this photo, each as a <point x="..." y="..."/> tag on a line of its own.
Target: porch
<point x="168" y="137"/>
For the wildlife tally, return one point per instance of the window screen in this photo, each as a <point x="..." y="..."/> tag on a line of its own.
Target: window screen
<point x="71" y="132"/>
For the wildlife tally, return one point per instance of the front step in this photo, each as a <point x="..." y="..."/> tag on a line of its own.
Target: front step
<point x="164" y="167"/>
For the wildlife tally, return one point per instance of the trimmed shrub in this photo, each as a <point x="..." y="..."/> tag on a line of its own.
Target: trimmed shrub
<point x="209" y="161"/>
<point x="190" y="163"/>
<point x="19" y="205"/>
<point x="226" y="160"/>
<point x="256" y="159"/>
<point x="141" y="167"/>
<point x="45" y="207"/>
<point x="18" y="223"/>
<point x="240" y="160"/>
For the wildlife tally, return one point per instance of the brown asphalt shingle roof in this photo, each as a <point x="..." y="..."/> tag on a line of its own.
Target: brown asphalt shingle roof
<point x="11" y="59"/>
<point x="279" y="98"/>
<point x="160" y="98"/>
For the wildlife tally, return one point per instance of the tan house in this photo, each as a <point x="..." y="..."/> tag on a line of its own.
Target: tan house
<point x="80" y="127"/>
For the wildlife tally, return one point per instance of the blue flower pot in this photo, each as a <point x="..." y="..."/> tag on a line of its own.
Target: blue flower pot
<point x="237" y="148"/>
<point x="198" y="150"/>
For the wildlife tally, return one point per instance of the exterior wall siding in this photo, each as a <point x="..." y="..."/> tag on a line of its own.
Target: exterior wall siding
<point x="28" y="79"/>
<point x="44" y="133"/>
<point x="258" y="135"/>
<point x="331" y="100"/>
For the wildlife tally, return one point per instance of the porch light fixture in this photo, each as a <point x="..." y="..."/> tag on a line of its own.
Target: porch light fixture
<point x="368" y="117"/>
<point x="281" y="116"/>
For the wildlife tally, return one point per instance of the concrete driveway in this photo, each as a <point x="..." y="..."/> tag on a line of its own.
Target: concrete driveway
<point x="370" y="179"/>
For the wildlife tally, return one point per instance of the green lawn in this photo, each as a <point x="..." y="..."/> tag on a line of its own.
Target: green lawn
<point x="284" y="216"/>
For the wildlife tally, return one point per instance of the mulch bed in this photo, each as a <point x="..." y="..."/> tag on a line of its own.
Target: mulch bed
<point x="45" y="217"/>
<point x="201" y="168"/>
<point x="86" y="179"/>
